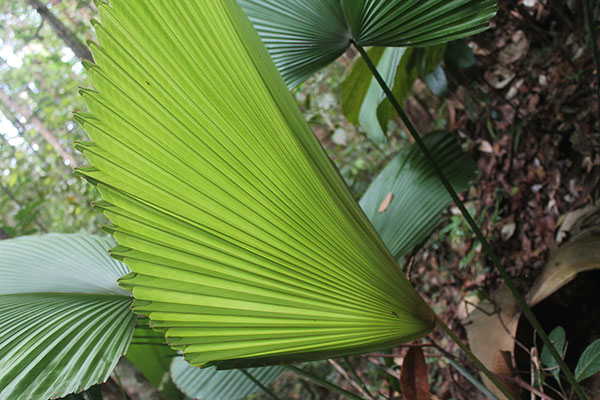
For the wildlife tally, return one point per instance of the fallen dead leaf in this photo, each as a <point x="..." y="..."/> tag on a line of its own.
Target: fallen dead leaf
<point x="508" y="230"/>
<point x="514" y="51"/>
<point x="486" y="147"/>
<point x="580" y="254"/>
<point x="413" y="377"/>
<point x="499" y="77"/>
<point x="491" y="331"/>
<point x="386" y="202"/>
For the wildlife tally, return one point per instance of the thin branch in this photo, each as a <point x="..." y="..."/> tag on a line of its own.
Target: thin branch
<point x="347" y="377"/>
<point x="519" y="381"/>
<point x="36" y="34"/>
<point x="68" y="37"/>
<point x="357" y="377"/>
<point x="259" y="384"/>
<point x="323" y="383"/>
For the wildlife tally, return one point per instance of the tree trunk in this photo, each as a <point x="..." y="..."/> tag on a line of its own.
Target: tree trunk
<point x="37" y="123"/>
<point x="12" y="118"/>
<point x="68" y="37"/>
<point x="70" y="15"/>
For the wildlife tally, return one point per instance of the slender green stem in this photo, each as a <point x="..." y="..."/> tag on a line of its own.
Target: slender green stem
<point x="324" y="383"/>
<point x="591" y="31"/>
<point x="356" y="377"/>
<point x="259" y="384"/>
<point x="125" y="397"/>
<point x="474" y="358"/>
<point x="471" y="378"/>
<point x="485" y="244"/>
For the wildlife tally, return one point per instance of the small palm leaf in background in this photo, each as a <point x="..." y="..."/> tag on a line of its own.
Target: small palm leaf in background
<point x="64" y="321"/>
<point x="211" y="384"/>
<point x="245" y="245"/>
<point x="174" y="377"/>
<point x="417" y="197"/>
<point x="360" y="107"/>
<point x="363" y="100"/>
<point x="303" y="36"/>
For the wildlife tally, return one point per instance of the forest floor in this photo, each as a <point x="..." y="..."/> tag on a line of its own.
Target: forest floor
<point x="528" y="114"/>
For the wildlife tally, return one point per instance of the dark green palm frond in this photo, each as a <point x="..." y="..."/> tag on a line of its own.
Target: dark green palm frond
<point x="64" y="321"/>
<point x="303" y="36"/>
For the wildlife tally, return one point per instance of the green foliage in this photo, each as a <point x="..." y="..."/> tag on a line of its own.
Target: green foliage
<point x="211" y="384"/>
<point x="460" y="235"/>
<point x="93" y="393"/>
<point x="64" y="322"/>
<point x="458" y="56"/>
<point x="363" y="99"/>
<point x="558" y="338"/>
<point x="587" y="365"/>
<point x="152" y="357"/>
<point x="277" y="264"/>
<point x="304" y="36"/>
<point x="357" y="84"/>
<point x="42" y="78"/>
<point x="589" y="362"/>
<point x="367" y="105"/>
<point x="356" y="157"/>
<point x="436" y="81"/>
<point x="417" y="197"/>
<point x="184" y="255"/>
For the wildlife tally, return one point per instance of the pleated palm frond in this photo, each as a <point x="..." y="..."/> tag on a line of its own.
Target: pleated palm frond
<point x="363" y="100"/>
<point x="212" y="384"/>
<point x="406" y="199"/>
<point x="246" y="247"/>
<point x="303" y="36"/>
<point x="64" y="321"/>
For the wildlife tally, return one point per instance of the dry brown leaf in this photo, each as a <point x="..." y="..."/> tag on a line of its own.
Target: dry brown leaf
<point x="491" y="331"/>
<point x="386" y="202"/>
<point x="514" y="51"/>
<point x="494" y="322"/>
<point x="413" y="377"/>
<point x="503" y="368"/>
<point x="580" y="254"/>
<point x="486" y="147"/>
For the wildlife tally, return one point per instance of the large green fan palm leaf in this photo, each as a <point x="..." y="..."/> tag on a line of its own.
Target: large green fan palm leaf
<point x="245" y="245"/>
<point x="303" y="36"/>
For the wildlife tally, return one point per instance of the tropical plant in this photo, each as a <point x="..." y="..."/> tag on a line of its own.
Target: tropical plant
<point x="64" y="322"/>
<point x="304" y="36"/>
<point x="363" y="101"/>
<point x="290" y="39"/>
<point x="245" y="246"/>
<point x="68" y="264"/>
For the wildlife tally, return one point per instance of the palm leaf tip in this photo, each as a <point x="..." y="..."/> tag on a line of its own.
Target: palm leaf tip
<point x="245" y="245"/>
